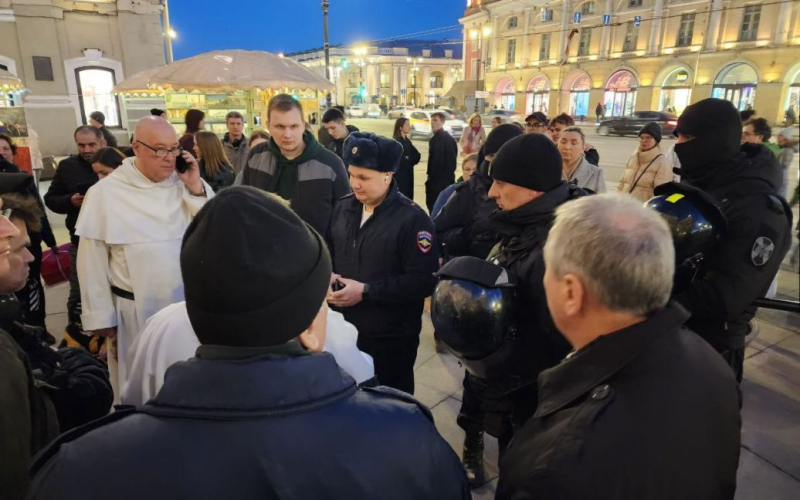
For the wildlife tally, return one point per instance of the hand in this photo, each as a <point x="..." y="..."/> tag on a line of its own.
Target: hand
<point x="191" y="178"/>
<point x="104" y="332"/>
<point x="350" y="295"/>
<point x="76" y="200"/>
<point x="334" y="277"/>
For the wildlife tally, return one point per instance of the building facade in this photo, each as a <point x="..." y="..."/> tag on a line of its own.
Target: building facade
<point x="70" y="55"/>
<point x="401" y="72"/>
<point x="570" y="55"/>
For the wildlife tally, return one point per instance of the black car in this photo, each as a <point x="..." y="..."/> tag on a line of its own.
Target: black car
<point x="630" y="125"/>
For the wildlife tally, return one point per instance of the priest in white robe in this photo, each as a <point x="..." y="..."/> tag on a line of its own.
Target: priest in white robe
<point x="131" y="227"/>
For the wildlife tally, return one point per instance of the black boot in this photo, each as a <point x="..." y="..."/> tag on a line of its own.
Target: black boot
<point x="472" y="459"/>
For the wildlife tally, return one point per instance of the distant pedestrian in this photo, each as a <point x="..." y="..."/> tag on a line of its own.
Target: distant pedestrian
<point x="442" y="159"/>
<point x="215" y="168"/>
<point x="158" y="112"/>
<point x="335" y="123"/>
<point x="536" y="123"/>
<point x="599" y="110"/>
<point x="234" y="142"/>
<point x="647" y="167"/>
<point x="788" y="146"/>
<point x="473" y="136"/>
<point x="411" y="157"/>
<point x="195" y="121"/>
<point x="496" y="121"/>
<point x="257" y="137"/>
<point x="98" y="121"/>
<point x="577" y="170"/>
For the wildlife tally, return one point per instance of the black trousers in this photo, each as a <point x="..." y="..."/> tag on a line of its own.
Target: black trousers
<point x="486" y="407"/>
<point x="405" y="181"/>
<point x="394" y="359"/>
<point x="735" y="358"/>
<point x="432" y="189"/>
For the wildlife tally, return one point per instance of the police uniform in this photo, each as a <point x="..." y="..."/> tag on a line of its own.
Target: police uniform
<point x="394" y="254"/>
<point x="744" y="180"/>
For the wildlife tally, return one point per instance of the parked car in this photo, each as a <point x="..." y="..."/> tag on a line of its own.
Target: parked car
<point x="421" y="124"/>
<point x="453" y="114"/>
<point x="399" y="112"/>
<point x="357" y="111"/>
<point x="374" y="111"/>
<point x="506" y="115"/>
<point x="630" y="125"/>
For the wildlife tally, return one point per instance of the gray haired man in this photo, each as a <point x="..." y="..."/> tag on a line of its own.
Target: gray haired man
<point x="642" y="407"/>
<point x="234" y="142"/>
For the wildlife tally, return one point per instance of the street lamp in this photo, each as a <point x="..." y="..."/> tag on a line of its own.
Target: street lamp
<point x="325" y="6"/>
<point x="172" y="34"/>
<point x="479" y="34"/>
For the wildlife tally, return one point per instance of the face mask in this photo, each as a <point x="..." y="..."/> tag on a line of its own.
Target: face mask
<point x="696" y="160"/>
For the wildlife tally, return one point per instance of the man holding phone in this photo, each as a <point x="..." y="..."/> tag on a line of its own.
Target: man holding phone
<point x="74" y="176"/>
<point x="131" y="228"/>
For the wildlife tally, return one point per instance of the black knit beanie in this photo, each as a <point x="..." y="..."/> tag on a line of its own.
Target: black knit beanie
<point x="652" y="129"/>
<point x="530" y="161"/>
<point x="499" y="136"/>
<point x="255" y="274"/>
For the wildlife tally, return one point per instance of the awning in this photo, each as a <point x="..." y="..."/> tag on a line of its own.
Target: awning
<point x="138" y="83"/>
<point x="9" y="82"/>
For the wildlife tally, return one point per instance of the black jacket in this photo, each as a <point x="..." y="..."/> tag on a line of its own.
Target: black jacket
<point x="315" y="182"/>
<point x="70" y="174"/>
<point x="405" y="172"/>
<point x="721" y="301"/>
<point x="463" y="224"/>
<point x="46" y="234"/>
<point x="336" y="146"/>
<point x="524" y="232"/>
<point x="442" y="159"/>
<point x="199" y="439"/>
<point x="111" y="141"/>
<point x="223" y="179"/>
<point x="395" y="253"/>
<point x="648" y="412"/>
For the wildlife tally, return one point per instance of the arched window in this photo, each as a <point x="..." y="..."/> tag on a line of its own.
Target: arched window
<point x="96" y="93"/>
<point x="587" y="8"/>
<point x="512" y="22"/>
<point x="437" y="80"/>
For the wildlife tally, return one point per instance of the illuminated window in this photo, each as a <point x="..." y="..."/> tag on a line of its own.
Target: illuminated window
<point x="96" y="93"/>
<point x="587" y="8"/>
<point x="511" y="52"/>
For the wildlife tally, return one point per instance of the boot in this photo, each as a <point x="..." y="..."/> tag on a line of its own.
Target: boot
<point x="472" y="459"/>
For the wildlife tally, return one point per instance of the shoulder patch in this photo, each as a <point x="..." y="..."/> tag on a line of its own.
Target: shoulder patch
<point x="762" y="250"/>
<point x="424" y="241"/>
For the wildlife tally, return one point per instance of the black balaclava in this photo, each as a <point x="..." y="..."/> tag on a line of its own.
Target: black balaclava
<point x="717" y="129"/>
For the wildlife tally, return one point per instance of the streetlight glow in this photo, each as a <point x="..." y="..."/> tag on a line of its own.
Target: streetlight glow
<point x="487" y="31"/>
<point x="172" y="34"/>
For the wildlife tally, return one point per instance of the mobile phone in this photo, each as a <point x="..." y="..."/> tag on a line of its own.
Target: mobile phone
<point x="337" y="285"/>
<point x="83" y="187"/>
<point x="181" y="165"/>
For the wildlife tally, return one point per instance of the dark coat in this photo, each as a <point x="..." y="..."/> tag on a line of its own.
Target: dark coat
<point x="70" y="174"/>
<point x="46" y="234"/>
<point x="336" y="146"/>
<point x="111" y="141"/>
<point x="524" y="232"/>
<point x="721" y="301"/>
<point x="223" y="179"/>
<point x="313" y="182"/>
<point x="463" y="224"/>
<point x="395" y="253"/>
<point x="187" y="143"/>
<point x="648" y="412"/>
<point x="442" y="159"/>
<point x="296" y="427"/>
<point x="405" y="172"/>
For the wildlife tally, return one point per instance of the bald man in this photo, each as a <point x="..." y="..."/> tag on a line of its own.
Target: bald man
<point x="131" y="226"/>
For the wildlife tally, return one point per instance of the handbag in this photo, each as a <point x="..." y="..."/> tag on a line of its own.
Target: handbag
<point x="56" y="265"/>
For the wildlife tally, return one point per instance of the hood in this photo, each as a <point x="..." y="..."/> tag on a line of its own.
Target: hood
<point x="313" y="147"/>
<point x="754" y="163"/>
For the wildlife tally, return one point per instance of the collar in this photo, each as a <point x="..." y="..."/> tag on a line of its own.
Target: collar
<point x="130" y="174"/>
<point x="645" y="157"/>
<point x="603" y="358"/>
<point x="236" y="143"/>
<point x="267" y="384"/>
<point x="525" y="219"/>
<point x="356" y="207"/>
<point x="292" y="348"/>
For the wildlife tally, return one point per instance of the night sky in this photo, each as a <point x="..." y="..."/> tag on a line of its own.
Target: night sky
<point x="295" y="25"/>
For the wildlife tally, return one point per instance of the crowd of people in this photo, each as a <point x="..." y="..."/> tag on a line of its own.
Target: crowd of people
<point x="253" y="306"/>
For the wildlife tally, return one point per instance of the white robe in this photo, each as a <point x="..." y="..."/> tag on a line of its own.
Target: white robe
<point x="168" y="337"/>
<point x="131" y="231"/>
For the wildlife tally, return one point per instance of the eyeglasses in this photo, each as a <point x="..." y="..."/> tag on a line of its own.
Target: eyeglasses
<point x="534" y="125"/>
<point x="163" y="152"/>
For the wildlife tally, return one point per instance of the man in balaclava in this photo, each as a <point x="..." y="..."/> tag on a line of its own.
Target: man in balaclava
<point x="743" y="178"/>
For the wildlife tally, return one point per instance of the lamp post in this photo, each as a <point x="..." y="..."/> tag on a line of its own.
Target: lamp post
<point x="325" y="6"/>
<point x="360" y="52"/>
<point x="479" y="34"/>
<point x="169" y="33"/>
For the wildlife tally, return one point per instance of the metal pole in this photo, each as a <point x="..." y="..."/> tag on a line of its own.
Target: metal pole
<point x="327" y="46"/>
<point x="167" y="31"/>
<point x="478" y="70"/>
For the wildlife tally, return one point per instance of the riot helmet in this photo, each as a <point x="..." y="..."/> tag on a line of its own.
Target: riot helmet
<point x="473" y="309"/>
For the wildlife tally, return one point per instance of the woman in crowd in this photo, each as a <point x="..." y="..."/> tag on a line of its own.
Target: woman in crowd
<point x="473" y="137"/>
<point x="648" y="167"/>
<point x="106" y="160"/>
<point x="214" y="166"/>
<point x="496" y="122"/>
<point x="405" y="173"/>
<point x="577" y="170"/>
<point x="257" y="137"/>
<point x="195" y="121"/>
<point x="31" y="297"/>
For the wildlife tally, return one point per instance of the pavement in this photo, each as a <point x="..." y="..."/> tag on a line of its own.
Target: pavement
<point x="769" y="467"/>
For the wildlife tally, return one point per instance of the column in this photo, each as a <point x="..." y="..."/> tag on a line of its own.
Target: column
<point x="655" y="32"/>
<point x="525" y="39"/>
<point x="376" y="78"/>
<point x="396" y="81"/>
<point x="605" y="39"/>
<point x="493" y="41"/>
<point x="712" y="33"/>
<point x="565" y="19"/>
<point x="783" y="26"/>
<point x="404" y="84"/>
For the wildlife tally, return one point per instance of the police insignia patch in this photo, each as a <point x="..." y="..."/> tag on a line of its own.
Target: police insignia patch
<point x="762" y="250"/>
<point x="355" y="149"/>
<point x="424" y="241"/>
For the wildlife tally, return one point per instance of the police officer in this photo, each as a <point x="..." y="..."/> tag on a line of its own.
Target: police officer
<point x="384" y="256"/>
<point x="743" y="178"/>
